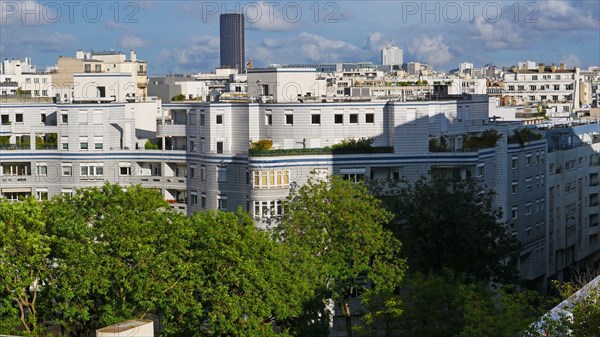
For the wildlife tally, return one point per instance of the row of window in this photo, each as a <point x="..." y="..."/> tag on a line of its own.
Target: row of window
<point x="315" y="119"/>
<point x="221" y="200"/>
<point x="271" y="179"/>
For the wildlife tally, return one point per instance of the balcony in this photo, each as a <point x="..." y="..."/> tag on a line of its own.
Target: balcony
<point x="318" y="151"/>
<point x="171" y="130"/>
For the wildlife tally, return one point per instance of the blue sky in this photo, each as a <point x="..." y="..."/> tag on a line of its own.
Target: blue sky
<point x="182" y="36"/>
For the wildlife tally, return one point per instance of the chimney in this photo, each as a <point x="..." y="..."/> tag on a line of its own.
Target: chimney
<point x="541" y="68"/>
<point x="132" y="56"/>
<point x="553" y="68"/>
<point x="562" y="66"/>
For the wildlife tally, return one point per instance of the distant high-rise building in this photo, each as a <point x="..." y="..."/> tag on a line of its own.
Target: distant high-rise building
<point x="391" y="56"/>
<point x="232" y="41"/>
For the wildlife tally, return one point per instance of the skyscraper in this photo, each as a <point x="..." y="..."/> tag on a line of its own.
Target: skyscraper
<point x="391" y="56"/>
<point x="232" y="41"/>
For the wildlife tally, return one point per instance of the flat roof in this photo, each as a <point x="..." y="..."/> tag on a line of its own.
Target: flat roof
<point x="124" y="326"/>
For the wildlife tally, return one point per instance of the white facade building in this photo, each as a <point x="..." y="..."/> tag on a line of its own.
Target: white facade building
<point x="392" y="56"/>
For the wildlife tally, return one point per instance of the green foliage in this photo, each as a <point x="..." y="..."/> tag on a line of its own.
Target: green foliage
<point x="150" y="146"/>
<point x="438" y="146"/>
<point x="460" y="220"/>
<point x="584" y="317"/>
<point x="178" y="98"/>
<point x="49" y="140"/>
<point x="250" y="282"/>
<point x="261" y="145"/>
<point x="340" y="225"/>
<point x="487" y="139"/>
<point x="119" y="254"/>
<point x="523" y="136"/>
<point x="4" y="140"/>
<point x="24" y="264"/>
<point x="355" y="144"/>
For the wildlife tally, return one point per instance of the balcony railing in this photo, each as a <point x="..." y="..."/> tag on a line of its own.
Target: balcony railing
<point x="318" y="151"/>
<point x="13" y="147"/>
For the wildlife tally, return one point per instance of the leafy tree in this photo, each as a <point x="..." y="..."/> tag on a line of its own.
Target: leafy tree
<point x="251" y="283"/>
<point x="451" y="224"/>
<point x="581" y="317"/>
<point x="118" y="253"/>
<point x="340" y="224"/>
<point x="178" y="97"/>
<point x="24" y="265"/>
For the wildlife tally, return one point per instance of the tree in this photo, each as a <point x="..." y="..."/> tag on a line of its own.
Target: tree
<point x="452" y="224"/>
<point x="24" y="265"/>
<point x="119" y="253"/>
<point x="338" y="223"/>
<point x="251" y="284"/>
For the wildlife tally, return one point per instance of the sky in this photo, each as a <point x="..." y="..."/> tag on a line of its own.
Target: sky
<point x="183" y="36"/>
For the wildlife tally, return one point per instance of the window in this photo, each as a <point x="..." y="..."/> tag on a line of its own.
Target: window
<point x="203" y="172"/>
<point x="83" y="117"/>
<point x="511" y="87"/>
<point x="268" y="119"/>
<point x="222" y="202"/>
<point x="194" y="198"/>
<point x="315" y="119"/>
<point x="370" y="118"/>
<point x="91" y="169"/>
<point x="528" y="159"/>
<point x="19" y="118"/>
<point x="480" y="170"/>
<point x="271" y="179"/>
<point x="219" y="147"/>
<point x="222" y="174"/>
<point x="202" y="119"/>
<point x="528" y="208"/>
<point x="264" y="209"/>
<point x="67" y="169"/>
<point x="65" y="142"/>
<point x="36" y="80"/>
<point x="83" y="143"/>
<point x="42" y="194"/>
<point x="42" y="169"/>
<point x="219" y="119"/>
<point x="124" y="169"/>
<point x="98" y="68"/>
<point x="514" y="212"/>
<point x="64" y="118"/>
<point x="515" y="187"/>
<point x="289" y="119"/>
<point x="353" y="118"/>
<point x="515" y="162"/>
<point x="43" y="118"/>
<point x="97" y="117"/>
<point x="87" y="68"/>
<point x="98" y="143"/>
<point x="203" y="200"/>
<point x="66" y="191"/>
<point x="4" y="120"/>
<point x="339" y="119"/>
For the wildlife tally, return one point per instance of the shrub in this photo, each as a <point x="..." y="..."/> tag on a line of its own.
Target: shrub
<point x="177" y="98"/>
<point x="261" y="145"/>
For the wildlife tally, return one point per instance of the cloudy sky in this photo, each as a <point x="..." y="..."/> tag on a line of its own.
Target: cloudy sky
<point x="182" y="36"/>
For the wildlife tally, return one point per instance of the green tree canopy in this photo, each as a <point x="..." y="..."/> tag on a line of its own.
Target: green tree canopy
<point x="452" y="224"/>
<point x="341" y="225"/>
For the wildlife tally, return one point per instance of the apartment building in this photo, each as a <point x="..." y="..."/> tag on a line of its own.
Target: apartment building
<point x="88" y="64"/>
<point x="21" y="77"/>
<point x="553" y="88"/>
<point x="198" y="155"/>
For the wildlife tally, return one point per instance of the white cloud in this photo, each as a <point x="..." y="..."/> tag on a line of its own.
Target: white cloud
<point x="571" y="60"/>
<point x="499" y="35"/>
<point x="27" y="12"/>
<point x="563" y="15"/>
<point x="304" y="48"/>
<point x="130" y="42"/>
<point x="431" y="50"/>
<point x="267" y="16"/>
<point x="199" y="52"/>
